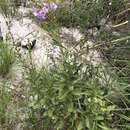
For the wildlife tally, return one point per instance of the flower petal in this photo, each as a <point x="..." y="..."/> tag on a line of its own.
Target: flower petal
<point x="53" y="6"/>
<point x="40" y="14"/>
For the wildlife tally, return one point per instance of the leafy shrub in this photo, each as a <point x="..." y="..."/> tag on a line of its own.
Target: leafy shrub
<point x="7" y="58"/>
<point x="68" y="96"/>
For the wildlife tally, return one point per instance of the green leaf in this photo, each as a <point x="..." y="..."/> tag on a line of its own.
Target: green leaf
<point x="100" y="118"/>
<point x="80" y="126"/>
<point x="104" y="127"/>
<point x="87" y="121"/>
<point x="60" y="125"/>
<point x="127" y="126"/>
<point x="70" y="107"/>
<point x="121" y="39"/>
<point x="62" y="95"/>
<point x="124" y="117"/>
<point x="50" y="113"/>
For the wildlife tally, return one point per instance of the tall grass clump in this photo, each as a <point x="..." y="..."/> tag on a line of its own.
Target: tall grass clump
<point x="87" y="14"/>
<point x="7" y="58"/>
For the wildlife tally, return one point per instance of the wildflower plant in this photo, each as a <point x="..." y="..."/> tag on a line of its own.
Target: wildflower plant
<point x="68" y="97"/>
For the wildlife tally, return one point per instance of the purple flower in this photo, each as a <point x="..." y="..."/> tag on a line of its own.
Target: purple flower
<point x="45" y="8"/>
<point x="41" y="14"/>
<point x="53" y="6"/>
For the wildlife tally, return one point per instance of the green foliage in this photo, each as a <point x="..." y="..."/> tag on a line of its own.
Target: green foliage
<point x="64" y="99"/>
<point x="87" y="13"/>
<point x="68" y="97"/>
<point x="74" y="94"/>
<point x="7" y="7"/>
<point x="7" y="58"/>
<point x="4" y="100"/>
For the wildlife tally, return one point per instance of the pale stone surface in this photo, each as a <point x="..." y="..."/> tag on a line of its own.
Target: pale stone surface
<point x="71" y="37"/>
<point x="29" y="32"/>
<point x="25" y="31"/>
<point x="3" y="25"/>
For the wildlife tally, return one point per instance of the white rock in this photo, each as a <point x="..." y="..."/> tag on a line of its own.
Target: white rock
<point x="74" y="36"/>
<point x="71" y="35"/>
<point x="25" y="31"/>
<point x="3" y="25"/>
